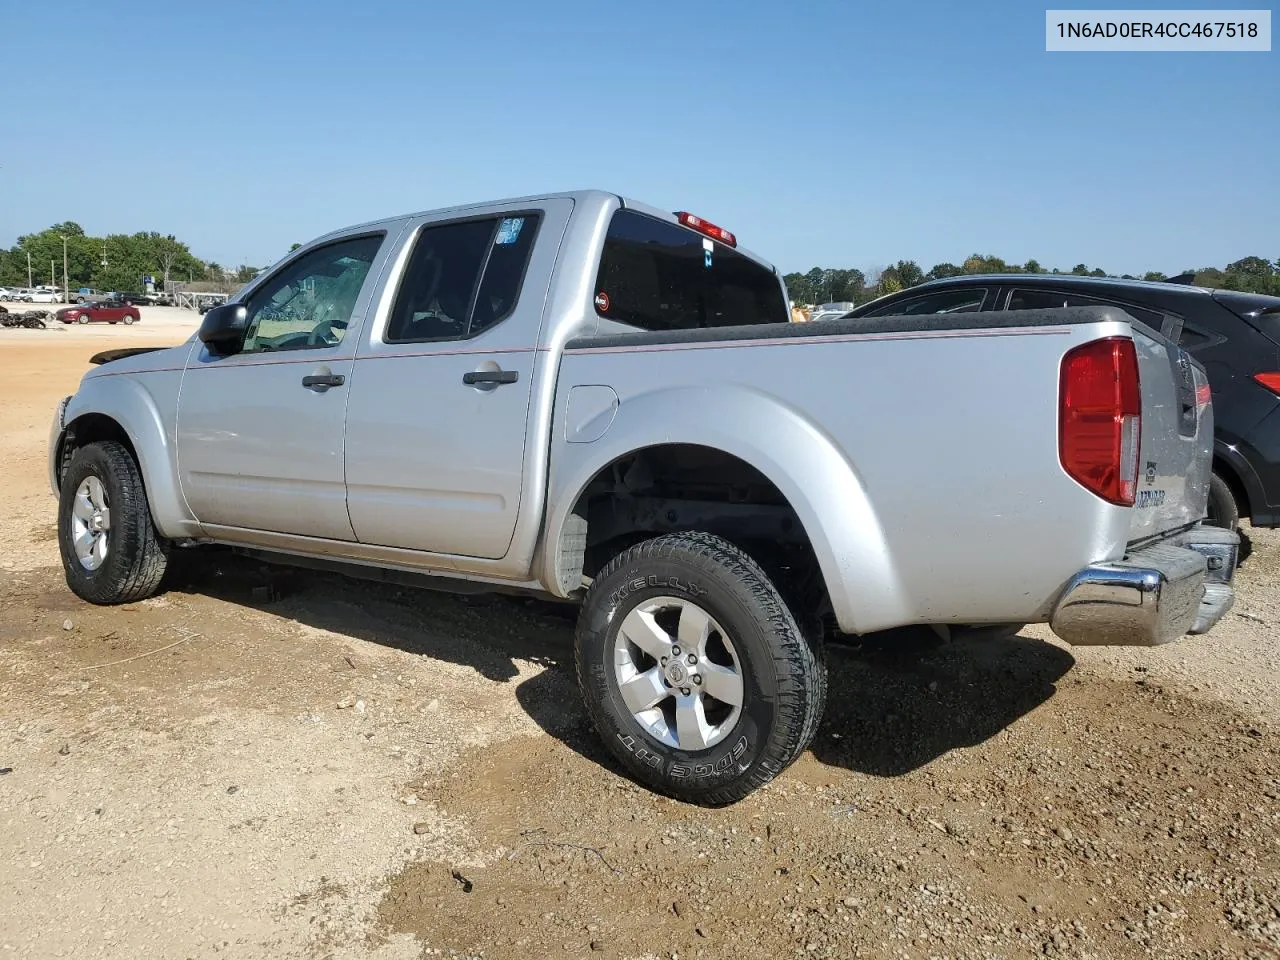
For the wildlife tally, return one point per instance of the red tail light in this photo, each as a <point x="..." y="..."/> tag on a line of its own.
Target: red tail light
<point x="706" y="228"/>
<point x="1100" y="418"/>
<point x="1269" y="380"/>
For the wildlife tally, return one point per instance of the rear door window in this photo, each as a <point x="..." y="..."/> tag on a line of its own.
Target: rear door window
<point x="965" y="300"/>
<point x="462" y="278"/>
<point x="1053" y="299"/>
<point x="656" y="275"/>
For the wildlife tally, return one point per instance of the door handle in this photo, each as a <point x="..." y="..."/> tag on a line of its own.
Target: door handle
<point x="323" y="380"/>
<point x="490" y="376"/>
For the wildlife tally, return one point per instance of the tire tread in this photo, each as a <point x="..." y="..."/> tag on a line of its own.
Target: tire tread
<point x="135" y="534"/>
<point x="798" y="660"/>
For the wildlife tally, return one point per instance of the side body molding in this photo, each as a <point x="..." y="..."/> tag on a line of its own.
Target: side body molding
<point x="805" y="464"/>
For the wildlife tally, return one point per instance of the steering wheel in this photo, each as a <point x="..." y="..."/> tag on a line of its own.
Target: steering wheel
<point x="322" y="335"/>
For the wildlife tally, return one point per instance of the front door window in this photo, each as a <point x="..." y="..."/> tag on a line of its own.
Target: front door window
<point x="308" y="304"/>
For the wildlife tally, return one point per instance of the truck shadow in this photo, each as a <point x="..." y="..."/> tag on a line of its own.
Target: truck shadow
<point x="489" y="633"/>
<point x="896" y="701"/>
<point x="902" y="699"/>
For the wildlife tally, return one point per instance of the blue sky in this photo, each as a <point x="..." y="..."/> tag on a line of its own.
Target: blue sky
<point x="822" y="133"/>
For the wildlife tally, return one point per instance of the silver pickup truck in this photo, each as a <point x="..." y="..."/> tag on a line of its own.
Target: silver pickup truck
<point x="597" y="401"/>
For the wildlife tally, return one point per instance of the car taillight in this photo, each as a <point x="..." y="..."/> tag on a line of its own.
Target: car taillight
<point x="706" y="228"/>
<point x="1100" y="418"/>
<point x="1269" y="380"/>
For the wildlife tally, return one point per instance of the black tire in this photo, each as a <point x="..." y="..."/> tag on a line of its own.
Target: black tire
<point x="136" y="555"/>
<point x="1223" y="510"/>
<point x="83" y="318"/>
<point x="783" y="669"/>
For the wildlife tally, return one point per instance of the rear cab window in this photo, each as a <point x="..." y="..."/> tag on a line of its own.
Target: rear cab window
<point x="656" y="275"/>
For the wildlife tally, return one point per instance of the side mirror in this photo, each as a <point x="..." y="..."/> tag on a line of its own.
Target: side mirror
<point x="224" y="327"/>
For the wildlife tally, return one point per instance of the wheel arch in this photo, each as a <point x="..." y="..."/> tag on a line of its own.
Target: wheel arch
<point x="119" y="408"/>
<point x="815" y="478"/>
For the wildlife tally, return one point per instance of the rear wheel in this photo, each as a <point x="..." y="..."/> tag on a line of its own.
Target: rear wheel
<point x="128" y="320"/>
<point x="694" y="671"/>
<point x="111" y="552"/>
<point x="1223" y="510"/>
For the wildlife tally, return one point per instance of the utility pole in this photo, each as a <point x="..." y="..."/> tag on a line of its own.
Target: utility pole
<point x="30" y="282"/>
<point x="66" y="292"/>
<point x="53" y="277"/>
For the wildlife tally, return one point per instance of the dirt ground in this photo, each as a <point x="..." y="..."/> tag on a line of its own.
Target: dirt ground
<point x="260" y="763"/>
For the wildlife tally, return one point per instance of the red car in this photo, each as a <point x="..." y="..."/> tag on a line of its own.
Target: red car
<point x="108" y="311"/>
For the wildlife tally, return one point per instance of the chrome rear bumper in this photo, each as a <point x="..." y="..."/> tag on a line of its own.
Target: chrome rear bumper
<point x="1154" y="595"/>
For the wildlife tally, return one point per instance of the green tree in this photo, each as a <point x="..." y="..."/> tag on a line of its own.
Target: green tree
<point x="1252" y="274"/>
<point x="844" y="285"/>
<point x="1033" y="266"/>
<point x="909" y="273"/>
<point x="129" y="258"/>
<point x="817" y="278"/>
<point x="984" y="263"/>
<point x="798" y="288"/>
<point x="1080" y="270"/>
<point x="940" y="270"/>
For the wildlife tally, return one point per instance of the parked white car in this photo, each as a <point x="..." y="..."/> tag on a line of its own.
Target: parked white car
<point x="831" y="311"/>
<point x="42" y="296"/>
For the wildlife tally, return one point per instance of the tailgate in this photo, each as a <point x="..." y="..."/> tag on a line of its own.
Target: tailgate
<point x="1177" y="439"/>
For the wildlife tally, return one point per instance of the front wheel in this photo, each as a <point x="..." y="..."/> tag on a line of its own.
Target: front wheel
<point x="83" y="318"/>
<point x="694" y="671"/>
<point x="111" y="552"/>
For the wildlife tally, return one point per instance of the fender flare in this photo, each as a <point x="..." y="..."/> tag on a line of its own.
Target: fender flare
<point x="817" y="478"/>
<point x="1242" y="471"/>
<point x="124" y="400"/>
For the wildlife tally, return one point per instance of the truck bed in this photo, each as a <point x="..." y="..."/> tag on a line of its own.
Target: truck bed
<point x="942" y="438"/>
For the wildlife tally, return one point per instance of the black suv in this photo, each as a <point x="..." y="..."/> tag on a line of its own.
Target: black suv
<point x="1236" y="336"/>
<point x="137" y="299"/>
